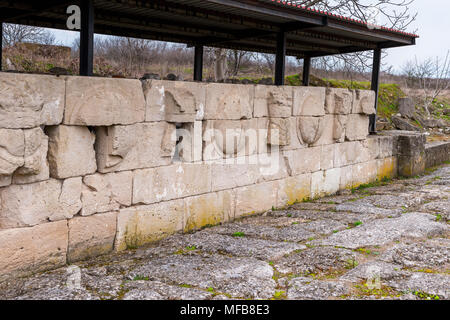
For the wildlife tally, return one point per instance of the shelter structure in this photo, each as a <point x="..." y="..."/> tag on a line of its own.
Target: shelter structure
<point x="277" y="27"/>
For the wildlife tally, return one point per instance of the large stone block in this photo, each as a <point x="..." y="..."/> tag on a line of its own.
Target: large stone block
<point x="364" y="102"/>
<point x="228" y="101"/>
<point x="241" y="172"/>
<point x="387" y="146"/>
<point x="137" y="146"/>
<point x="97" y="101"/>
<point x="346" y="181"/>
<point x="28" y="250"/>
<point x="171" y="182"/>
<point x="91" y="236"/>
<point x="339" y="128"/>
<point x="256" y="198"/>
<point x="328" y="133"/>
<point x="302" y="161"/>
<point x="327" y="157"/>
<point x="310" y="129"/>
<point x="363" y="173"/>
<point x="387" y="168"/>
<point x="71" y="151"/>
<point x="338" y="101"/>
<point x="106" y="192"/>
<point x="139" y="225"/>
<point x="309" y="101"/>
<point x="232" y="138"/>
<point x="325" y="182"/>
<point x="29" y="101"/>
<point x="294" y="189"/>
<point x="279" y="132"/>
<point x="295" y="137"/>
<point x="12" y="151"/>
<point x="357" y="127"/>
<point x="346" y="153"/>
<point x="273" y="101"/>
<point x="174" y="101"/>
<point x="190" y="145"/>
<point x="35" y="167"/>
<point x="209" y="209"/>
<point x="36" y="203"/>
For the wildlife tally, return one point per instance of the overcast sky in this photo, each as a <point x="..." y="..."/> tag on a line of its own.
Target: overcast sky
<point x="432" y="25"/>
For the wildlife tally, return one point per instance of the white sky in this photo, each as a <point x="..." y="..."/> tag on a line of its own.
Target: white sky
<point x="432" y="25"/>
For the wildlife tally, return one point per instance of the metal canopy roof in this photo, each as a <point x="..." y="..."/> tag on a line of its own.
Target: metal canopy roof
<point x="250" y="25"/>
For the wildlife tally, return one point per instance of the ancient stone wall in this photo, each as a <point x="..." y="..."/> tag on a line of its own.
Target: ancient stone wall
<point x="90" y="165"/>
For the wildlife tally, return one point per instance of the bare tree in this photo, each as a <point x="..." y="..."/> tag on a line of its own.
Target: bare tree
<point x="431" y="76"/>
<point x="14" y="33"/>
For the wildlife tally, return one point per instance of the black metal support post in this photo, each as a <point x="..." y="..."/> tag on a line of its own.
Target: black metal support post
<point x="375" y="87"/>
<point x="198" y="63"/>
<point x="306" y="71"/>
<point x="87" y="38"/>
<point x="280" y="59"/>
<point x="1" y="44"/>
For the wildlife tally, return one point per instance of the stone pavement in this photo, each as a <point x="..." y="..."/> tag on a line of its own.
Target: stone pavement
<point x="377" y="242"/>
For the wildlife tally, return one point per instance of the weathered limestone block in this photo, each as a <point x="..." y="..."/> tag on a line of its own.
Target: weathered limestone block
<point x="279" y="134"/>
<point x="106" y="192"/>
<point x="228" y="101"/>
<point x="357" y="127"/>
<point x="12" y="151"/>
<point x="327" y="136"/>
<point x="295" y="138"/>
<point x="35" y="167"/>
<point x="346" y="181"/>
<point x="325" y="182"/>
<point x="411" y="154"/>
<point x="92" y="101"/>
<point x="241" y="172"/>
<point x="71" y="151"/>
<point x="174" y="101"/>
<point x="91" y="236"/>
<point x="309" y="101"/>
<point x="190" y="148"/>
<point x="272" y="166"/>
<point x="141" y="145"/>
<point x="256" y="198"/>
<point x="303" y="160"/>
<point x="294" y="189"/>
<point x="338" y="101"/>
<point x="406" y="107"/>
<point x="232" y="138"/>
<point x="387" y="146"/>
<point x="372" y="144"/>
<point x="365" y="172"/>
<point x="36" y="203"/>
<point x="310" y="129"/>
<point x="5" y="180"/>
<point x="364" y="102"/>
<point x="339" y="127"/>
<point x="209" y="209"/>
<point x="387" y="168"/>
<point x="273" y="101"/>
<point x="30" y="250"/>
<point x="327" y="157"/>
<point x="139" y="225"/>
<point x="171" y="182"/>
<point x="30" y="100"/>
<point x="346" y="153"/>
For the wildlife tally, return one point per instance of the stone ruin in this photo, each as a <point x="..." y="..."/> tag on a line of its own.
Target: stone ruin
<point x="89" y="165"/>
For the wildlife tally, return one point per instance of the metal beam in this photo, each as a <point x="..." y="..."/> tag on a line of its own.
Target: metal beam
<point x="280" y="59"/>
<point x="198" y="63"/>
<point x="27" y="10"/>
<point x="1" y="44"/>
<point x="87" y="38"/>
<point x="306" y="71"/>
<point x="375" y="86"/>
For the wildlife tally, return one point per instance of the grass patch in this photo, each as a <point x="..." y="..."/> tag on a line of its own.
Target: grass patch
<point x="140" y="278"/>
<point x="238" y="234"/>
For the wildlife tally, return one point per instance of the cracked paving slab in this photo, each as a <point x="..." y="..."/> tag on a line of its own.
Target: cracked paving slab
<point x="383" y="231"/>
